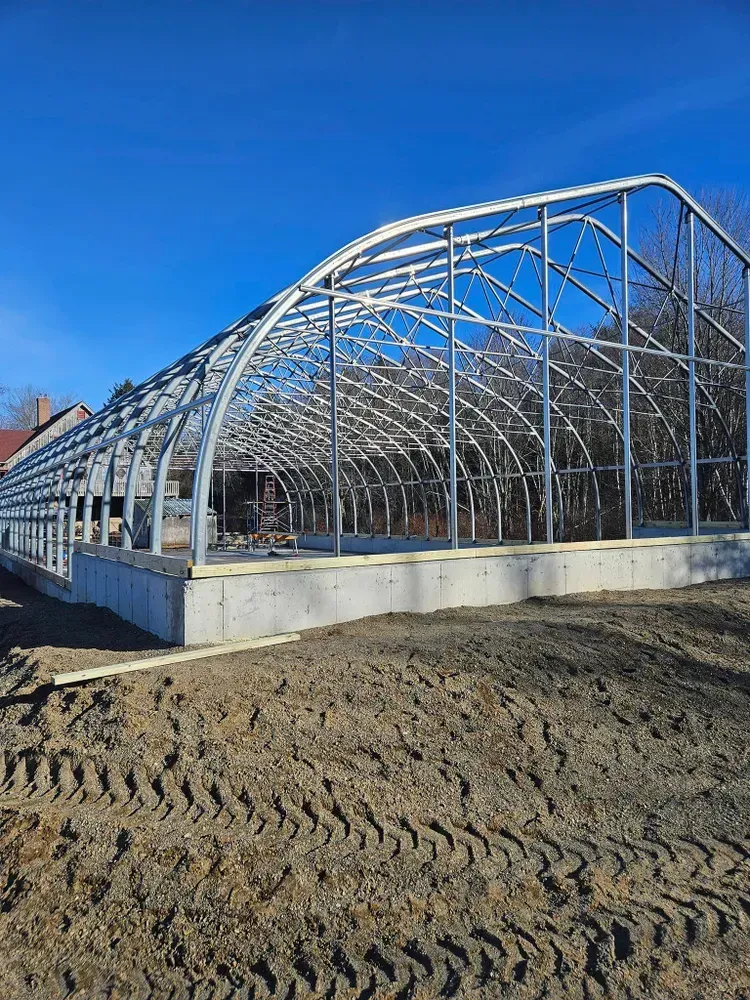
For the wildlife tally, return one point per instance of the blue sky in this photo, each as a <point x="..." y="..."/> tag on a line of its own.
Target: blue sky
<point x="166" y="166"/>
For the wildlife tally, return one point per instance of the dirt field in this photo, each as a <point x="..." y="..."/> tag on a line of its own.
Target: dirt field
<point x="541" y="800"/>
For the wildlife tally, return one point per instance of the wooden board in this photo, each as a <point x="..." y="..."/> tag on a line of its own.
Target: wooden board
<point x="171" y="565"/>
<point x="75" y="676"/>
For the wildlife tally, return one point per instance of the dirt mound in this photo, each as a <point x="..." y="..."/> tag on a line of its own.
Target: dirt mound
<point x="541" y="800"/>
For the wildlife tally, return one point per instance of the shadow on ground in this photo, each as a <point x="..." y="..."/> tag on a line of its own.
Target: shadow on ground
<point x="30" y="619"/>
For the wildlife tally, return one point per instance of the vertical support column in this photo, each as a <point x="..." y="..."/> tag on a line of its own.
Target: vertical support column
<point x="224" y="500"/>
<point x="49" y="557"/>
<point x="41" y="517"/>
<point x="746" y="297"/>
<point x="694" y="522"/>
<point x="33" y="527"/>
<point x="30" y="527"/>
<point x="60" y="525"/>
<point x="75" y="486"/>
<point x="336" y="500"/>
<point x="624" y="324"/>
<point x="24" y="529"/>
<point x="545" y="375"/>
<point x="106" y="500"/>
<point x="448" y="232"/>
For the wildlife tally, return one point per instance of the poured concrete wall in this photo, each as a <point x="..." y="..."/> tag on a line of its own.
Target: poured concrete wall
<point x="232" y="602"/>
<point x="187" y="604"/>
<point x="37" y="577"/>
<point x="152" y="600"/>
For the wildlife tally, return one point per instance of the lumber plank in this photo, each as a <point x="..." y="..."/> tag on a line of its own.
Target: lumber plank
<point x="332" y="563"/>
<point x="75" y="676"/>
<point x="170" y="565"/>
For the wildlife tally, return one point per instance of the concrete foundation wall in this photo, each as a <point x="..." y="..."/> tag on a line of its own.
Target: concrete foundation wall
<point x="35" y="576"/>
<point x="236" y="605"/>
<point x="151" y="600"/>
<point x="190" y="605"/>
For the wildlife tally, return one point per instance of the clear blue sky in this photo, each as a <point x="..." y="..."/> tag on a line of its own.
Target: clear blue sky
<point x="166" y="166"/>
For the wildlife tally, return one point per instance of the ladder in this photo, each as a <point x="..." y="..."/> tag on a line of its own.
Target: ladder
<point x="269" y="520"/>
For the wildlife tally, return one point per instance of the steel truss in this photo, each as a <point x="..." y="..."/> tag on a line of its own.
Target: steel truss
<point x="513" y="370"/>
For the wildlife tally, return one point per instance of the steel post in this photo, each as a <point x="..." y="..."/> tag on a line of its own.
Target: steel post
<point x="49" y="557"/>
<point x="224" y="500"/>
<point x="448" y="232"/>
<point x="336" y="500"/>
<point x="624" y="325"/>
<point x="40" y="522"/>
<point x="60" y="525"/>
<point x="545" y="375"/>
<point x="694" y="518"/>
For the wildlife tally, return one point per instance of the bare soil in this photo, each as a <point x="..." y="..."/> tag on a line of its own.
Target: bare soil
<point x="540" y="800"/>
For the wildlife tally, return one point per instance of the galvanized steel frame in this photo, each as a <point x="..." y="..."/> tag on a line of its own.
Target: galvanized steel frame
<point x="353" y="386"/>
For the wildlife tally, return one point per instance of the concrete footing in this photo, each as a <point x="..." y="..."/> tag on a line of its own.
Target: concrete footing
<point x="187" y="604"/>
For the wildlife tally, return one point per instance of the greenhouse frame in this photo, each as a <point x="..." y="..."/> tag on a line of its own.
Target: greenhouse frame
<point x="556" y="369"/>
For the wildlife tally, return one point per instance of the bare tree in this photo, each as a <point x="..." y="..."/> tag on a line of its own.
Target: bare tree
<point x="18" y="406"/>
<point x="663" y="243"/>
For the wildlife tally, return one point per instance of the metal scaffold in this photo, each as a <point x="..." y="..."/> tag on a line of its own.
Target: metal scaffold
<point x="518" y="370"/>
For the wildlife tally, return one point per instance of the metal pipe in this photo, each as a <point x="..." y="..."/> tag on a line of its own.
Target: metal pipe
<point x="336" y="500"/>
<point x="224" y="501"/>
<point x="73" y="511"/>
<point x="448" y="233"/>
<point x="545" y="376"/>
<point x="40" y="517"/>
<point x="625" y="364"/>
<point x="694" y="522"/>
<point x="49" y="541"/>
<point x="60" y="527"/>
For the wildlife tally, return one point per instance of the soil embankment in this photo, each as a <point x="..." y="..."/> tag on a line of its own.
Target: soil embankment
<point x="541" y="800"/>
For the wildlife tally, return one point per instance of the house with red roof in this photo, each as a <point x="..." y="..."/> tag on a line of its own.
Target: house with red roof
<point x="15" y="445"/>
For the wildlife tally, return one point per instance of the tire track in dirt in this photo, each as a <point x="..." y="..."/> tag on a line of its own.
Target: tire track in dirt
<point x="714" y="871"/>
<point x="508" y="958"/>
<point x="202" y="795"/>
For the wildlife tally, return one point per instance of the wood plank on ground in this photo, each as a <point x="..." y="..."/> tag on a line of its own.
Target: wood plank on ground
<point x="59" y="680"/>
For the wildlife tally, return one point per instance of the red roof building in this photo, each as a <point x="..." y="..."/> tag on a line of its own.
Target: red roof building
<point x="10" y="442"/>
<point x="16" y="445"/>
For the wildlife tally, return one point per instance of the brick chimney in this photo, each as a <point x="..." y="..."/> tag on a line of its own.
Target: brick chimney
<point x="43" y="410"/>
